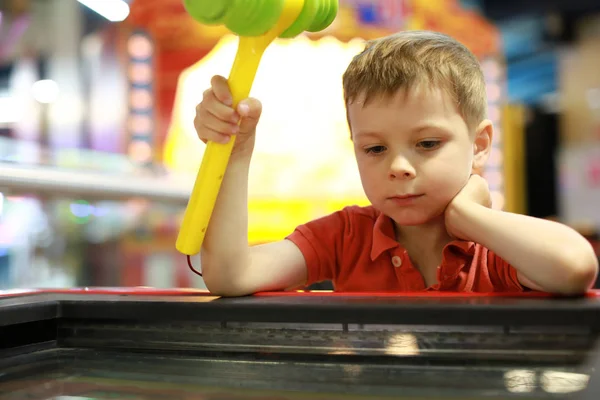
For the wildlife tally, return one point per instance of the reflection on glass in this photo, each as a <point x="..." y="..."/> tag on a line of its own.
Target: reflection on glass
<point x="402" y="344"/>
<point x="526" y="381"/>
<point x="520" y="380"/>
<point x="563" y="382"/>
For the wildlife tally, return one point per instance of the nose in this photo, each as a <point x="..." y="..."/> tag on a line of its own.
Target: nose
<point x="401" y="168"/>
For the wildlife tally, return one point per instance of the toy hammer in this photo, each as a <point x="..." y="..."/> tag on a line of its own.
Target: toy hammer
<point x="258" y="23"/>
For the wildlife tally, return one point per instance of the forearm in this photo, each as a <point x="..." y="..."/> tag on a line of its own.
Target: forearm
<point x="225" y="248"/>
<point x="551" y="255"/>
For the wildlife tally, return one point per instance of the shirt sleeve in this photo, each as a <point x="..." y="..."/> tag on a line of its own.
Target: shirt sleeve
<point x="321" y="243"/>
<point x="503" y="274"/>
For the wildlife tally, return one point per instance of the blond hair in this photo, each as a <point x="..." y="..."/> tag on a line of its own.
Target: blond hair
<point x="407" y="59"/>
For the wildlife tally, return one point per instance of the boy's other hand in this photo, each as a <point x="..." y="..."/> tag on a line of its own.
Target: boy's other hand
<point x="475" y="192"/>
<point x="217" y="121"/>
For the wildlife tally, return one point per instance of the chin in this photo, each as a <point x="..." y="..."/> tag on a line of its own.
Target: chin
<point x="408" y="217"/>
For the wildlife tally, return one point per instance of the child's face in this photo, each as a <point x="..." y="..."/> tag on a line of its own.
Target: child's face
<point x="415" y="145"/>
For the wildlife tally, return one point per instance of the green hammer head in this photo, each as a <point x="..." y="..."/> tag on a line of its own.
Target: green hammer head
<point x="255" y="17"/>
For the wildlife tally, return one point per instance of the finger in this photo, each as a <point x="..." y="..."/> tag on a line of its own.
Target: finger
<point x="218" y="109"/>
<point x="220" y="88"/>
<point x="250" y="110"/>
<point x="216" y="137"/>
<point x="205" y="134"/>
<point x="205" y="119"/>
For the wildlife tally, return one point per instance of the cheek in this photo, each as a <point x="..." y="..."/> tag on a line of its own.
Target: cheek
<point x="448" y="178"/>
<point x="445" y="187"/>
<point x="364" y="169"/>
<point x="367" y="176"/>
<point x="370" y="178"/>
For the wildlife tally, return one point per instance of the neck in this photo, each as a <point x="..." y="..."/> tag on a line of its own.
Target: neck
<point x="430" y="236"/>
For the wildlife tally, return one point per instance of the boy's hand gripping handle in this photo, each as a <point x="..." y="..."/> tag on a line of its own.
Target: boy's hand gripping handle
<point x="216" y="156"/>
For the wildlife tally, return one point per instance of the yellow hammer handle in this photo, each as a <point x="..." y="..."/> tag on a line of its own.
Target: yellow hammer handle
<point x="216" y="156"/>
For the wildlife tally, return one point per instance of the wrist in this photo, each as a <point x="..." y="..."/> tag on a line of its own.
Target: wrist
<point x="242" y="155"/>
<point x="456" y="208"/>
<point x="463" y="217"/>
<point x="243" y="151"/>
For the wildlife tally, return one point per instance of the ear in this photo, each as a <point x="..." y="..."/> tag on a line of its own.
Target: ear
<point x="482" y="145"/>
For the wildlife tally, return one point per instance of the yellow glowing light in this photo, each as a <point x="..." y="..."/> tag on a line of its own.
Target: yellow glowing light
<point x="303" y="164"/>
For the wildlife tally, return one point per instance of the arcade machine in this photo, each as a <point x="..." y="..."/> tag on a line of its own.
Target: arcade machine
<point x="186" y="343"/>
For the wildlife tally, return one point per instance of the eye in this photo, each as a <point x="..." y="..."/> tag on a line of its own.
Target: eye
<point x="375" y="150"/>
<point x="429" y="144"/>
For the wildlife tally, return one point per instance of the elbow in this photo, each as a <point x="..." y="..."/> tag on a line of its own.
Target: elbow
<point x="223" y="278"/>
<point x="218" y="286"/>
<point x="581" y="271"/>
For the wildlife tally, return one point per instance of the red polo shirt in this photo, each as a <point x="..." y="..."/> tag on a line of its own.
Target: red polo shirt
<point x="356" y="249"/>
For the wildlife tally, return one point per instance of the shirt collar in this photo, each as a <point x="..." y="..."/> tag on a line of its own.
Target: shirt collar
<point x="384" y="238"/>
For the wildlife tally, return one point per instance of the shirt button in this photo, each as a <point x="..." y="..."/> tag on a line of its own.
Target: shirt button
<point x="397" y="261"/>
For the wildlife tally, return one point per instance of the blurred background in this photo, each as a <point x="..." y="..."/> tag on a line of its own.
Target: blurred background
<point x="98" y="153"/>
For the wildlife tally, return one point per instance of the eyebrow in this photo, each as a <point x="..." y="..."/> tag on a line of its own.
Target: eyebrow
<point x="366" y="134"/>
<point x="417" y="129"/>
<point x="429" y="126"/>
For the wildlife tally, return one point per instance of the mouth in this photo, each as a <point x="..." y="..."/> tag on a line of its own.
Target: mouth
<point x="405" y="196"/>
<point x="405" y="199"/>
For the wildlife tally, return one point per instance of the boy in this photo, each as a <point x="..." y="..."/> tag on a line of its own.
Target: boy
<point x="416" y="108"/>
